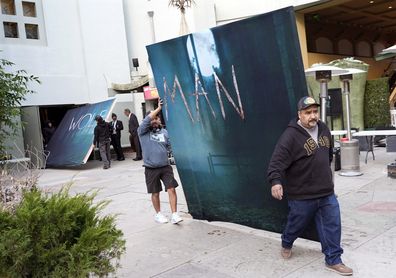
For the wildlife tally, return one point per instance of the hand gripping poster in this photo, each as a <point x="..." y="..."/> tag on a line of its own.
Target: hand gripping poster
<point x="71" y="143"/>
<point x="229" y="92"/>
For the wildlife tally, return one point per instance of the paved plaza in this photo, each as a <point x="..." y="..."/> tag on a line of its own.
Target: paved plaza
<point x="218" y="249"/>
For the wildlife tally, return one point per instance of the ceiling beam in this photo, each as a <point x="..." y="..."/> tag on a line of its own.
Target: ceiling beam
<point x="321" y="6"/>
<point x="351" y="11"/>
<point x="368" y="6"/>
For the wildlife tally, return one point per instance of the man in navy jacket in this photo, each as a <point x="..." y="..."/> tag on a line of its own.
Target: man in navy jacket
<point x="300" y="168"/>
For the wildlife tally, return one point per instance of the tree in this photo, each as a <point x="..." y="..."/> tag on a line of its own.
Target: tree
<point x="182" y="5"/>
<point x="13" y="89"/>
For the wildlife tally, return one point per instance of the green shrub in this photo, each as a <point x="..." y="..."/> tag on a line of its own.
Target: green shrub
<point x="376" y="103"/>
<point x="59" y="236"/>
<point x="14" y="86"/>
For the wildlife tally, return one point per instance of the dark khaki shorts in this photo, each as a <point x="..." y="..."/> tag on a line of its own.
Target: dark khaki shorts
<point x="154" y="177"/>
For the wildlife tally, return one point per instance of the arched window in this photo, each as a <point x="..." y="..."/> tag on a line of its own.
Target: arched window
<point x="363" y="49"/>
<point x="345" y="47"/>
<point x="324" y="45"/>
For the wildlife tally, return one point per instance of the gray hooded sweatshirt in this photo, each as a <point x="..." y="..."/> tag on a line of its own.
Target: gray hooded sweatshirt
<point x="155" y="145"/>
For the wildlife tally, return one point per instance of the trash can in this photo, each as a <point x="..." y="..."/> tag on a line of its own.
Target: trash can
<point x="391" y="144"/>
<point x="392" y="170"/>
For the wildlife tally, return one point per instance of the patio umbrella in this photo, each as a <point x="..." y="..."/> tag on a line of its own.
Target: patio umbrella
<point x="387" y="53"/>
<point x="391" y="49"/>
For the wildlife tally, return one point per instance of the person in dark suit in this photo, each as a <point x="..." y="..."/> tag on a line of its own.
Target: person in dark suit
<point x="117" y="126"/>
<point x="133" y="125"/>
<point x="48" y="131"/>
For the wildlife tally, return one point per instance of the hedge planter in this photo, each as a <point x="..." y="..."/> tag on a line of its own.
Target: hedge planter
<point x="58" y="236"/>
<point x="376" y="104"/>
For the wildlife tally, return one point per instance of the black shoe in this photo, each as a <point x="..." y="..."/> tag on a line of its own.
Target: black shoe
<point x="121" y="159"/>
<point x="137" y="158"/>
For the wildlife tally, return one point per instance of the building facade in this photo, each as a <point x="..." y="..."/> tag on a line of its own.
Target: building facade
<point x="76" y="48"/>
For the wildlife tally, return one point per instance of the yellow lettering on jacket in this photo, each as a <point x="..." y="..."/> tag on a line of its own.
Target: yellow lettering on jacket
<point x="324" y="141"/>
<point x="310" y="145"/>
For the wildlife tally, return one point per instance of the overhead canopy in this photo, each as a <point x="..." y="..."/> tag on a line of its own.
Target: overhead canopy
<point x="135" y="83"/>
<point x="350" y="27"/>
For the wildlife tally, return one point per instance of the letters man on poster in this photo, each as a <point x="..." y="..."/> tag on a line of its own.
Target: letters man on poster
<point x="199" y="92"/>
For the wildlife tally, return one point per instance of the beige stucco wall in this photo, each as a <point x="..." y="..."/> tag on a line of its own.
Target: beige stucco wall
<point x="302" y="38"/>
<point x="376" y="68"/>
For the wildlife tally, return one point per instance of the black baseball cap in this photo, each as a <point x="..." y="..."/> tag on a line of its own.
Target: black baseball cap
<point x="306" y="102"/>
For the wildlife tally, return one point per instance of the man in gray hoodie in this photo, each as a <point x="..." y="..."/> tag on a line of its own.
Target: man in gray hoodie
<point x="155" y="146"/>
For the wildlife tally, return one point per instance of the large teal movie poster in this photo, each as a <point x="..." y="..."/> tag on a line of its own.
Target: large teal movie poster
<point x="71" y="143"/>
<point x="229" y="92"/>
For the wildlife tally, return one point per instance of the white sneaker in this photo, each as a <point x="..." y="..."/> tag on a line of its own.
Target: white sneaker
<point x="160" y="218"/>
<point x="176" y="218"/>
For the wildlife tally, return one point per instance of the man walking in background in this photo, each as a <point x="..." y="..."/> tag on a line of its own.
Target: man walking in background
<point x="300" y="168"/>
<point x="48" y="132"/>
<point x="102" y="140"/>
<point x="155" y="144"/>
<point x="117" y="126"/>
<point x="133" y="125"/>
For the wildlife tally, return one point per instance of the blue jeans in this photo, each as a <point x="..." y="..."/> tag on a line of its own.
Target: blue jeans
<point x="326" y="212"/>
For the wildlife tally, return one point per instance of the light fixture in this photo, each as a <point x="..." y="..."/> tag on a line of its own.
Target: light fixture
<point x="349" y="148"/>
<point x="346" y="78"/>
<point x="390" y="7"/>
<point x="334" y="70"/>
<point x="371" y="2"/>
<point x="323" y="75"/>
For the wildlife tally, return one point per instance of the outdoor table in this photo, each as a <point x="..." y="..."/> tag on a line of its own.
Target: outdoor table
<point x="369" y="134"/>
<point x="340" y="132"/>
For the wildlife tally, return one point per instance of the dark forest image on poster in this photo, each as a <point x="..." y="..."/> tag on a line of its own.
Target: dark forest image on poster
<point x="229" y="92"/>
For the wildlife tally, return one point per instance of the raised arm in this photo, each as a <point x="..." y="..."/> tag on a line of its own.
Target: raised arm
<point x="155" y="112"/>
<point x="145" y="125"/>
